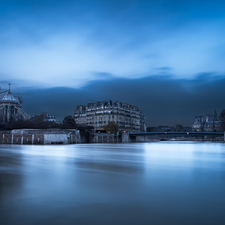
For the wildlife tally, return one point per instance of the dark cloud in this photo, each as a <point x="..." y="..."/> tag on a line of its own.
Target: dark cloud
<point x="164" y="101"/>
<point x="113" y="50"/>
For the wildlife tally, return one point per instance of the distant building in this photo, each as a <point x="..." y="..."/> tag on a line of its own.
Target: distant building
<point x="48" y="117"/>
<point x="126" y="116"/>
<point x="80" y="115"/>
<point x="44" y="117"/>
<point x="209" y="124"/>
<point x="11" y="107"/>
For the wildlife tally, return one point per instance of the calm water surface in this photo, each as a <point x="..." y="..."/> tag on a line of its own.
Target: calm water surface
<point x="139" y="183"/>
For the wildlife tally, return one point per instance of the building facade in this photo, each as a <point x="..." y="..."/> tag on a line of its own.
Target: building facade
<point x="208" y="124"/>
<point x="98" y="114"/>
<point x="48" y="117"/>
<point x="11" y="107"/>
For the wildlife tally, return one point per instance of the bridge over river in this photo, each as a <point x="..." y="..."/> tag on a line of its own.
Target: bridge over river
<point x="145" y="136"/>
<point x="192" y="134"/>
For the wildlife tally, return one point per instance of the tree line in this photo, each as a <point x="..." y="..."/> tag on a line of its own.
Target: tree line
<point x="37" y="122"/>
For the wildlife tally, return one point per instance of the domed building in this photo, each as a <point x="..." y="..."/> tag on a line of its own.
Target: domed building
<point x="11" y="107"/>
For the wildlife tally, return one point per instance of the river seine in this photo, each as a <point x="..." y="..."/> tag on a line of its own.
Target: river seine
<point x="135" y="183"/>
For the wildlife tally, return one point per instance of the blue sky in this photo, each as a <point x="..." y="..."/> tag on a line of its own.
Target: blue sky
<point x="70" y="43"/>
<point x="77" y="44"/>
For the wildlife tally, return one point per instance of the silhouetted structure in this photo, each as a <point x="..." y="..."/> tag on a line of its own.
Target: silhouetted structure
<point x="11" y="107"/>
<point x="209" y="124"/>
<point x="44" y="117"/>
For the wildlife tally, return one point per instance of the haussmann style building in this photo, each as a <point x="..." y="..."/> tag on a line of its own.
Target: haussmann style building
<point x="127" y="117"/>
<point x="11" y="107"/>
<point x="211" y="123"/>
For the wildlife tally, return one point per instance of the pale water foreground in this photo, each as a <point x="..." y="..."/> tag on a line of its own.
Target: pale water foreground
<point x="138" y="183"/>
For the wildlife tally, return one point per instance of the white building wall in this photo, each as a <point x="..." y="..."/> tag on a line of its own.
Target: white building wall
<point x="49" y="138"/>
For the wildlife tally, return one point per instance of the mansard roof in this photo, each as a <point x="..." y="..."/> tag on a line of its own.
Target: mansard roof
<point x="110" y="103"/>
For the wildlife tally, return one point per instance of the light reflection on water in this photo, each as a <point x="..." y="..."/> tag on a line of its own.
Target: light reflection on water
<point x="138" y="183"/>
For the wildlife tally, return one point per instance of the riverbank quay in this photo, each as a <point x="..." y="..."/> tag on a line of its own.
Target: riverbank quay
<point x="42" y="136"/>
<point x="73" y="136"/>
<point x="55" y="136"/>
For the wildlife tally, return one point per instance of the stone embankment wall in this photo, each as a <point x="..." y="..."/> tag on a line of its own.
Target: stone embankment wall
<point x="54" y="136"/>
<point x="147" y="138"/>
<point x="21" y="139"/>
<point x="127" y="138"/>
<point x="39" y="136"/>
<point x="104" y="138"/>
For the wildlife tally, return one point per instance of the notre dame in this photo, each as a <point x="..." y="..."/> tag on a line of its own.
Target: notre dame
<point x="11" y="107"/>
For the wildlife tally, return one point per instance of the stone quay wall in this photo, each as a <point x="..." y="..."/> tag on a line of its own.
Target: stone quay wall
<point x="67" y="136"/>
<point x="55" y="136"/>
<point x="22" y="139"/>
<point x="104" y="138"/>
<point x="127" y="138"/>
<point x="41" y="136"/>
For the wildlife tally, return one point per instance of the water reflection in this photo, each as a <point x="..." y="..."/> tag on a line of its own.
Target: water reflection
<point x="138" y="183"/>
<point x="10" y="166"/>
<point x="111" y="159"/>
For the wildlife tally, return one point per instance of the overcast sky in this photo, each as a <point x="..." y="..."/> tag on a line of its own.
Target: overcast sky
<point x="165" y="56"/>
